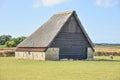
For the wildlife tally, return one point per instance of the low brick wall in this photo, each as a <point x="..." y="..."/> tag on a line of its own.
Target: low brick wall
<point x="90" y="53"/>
<point x="30" y="55"/>
<point x="52" y="54"/>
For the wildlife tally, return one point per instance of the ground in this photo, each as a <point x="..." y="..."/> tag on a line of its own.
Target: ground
<point x="13" y="69"/>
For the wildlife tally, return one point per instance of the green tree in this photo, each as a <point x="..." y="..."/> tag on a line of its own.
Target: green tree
<point x="10" y="43"/>
<point x="19" y="39"/>
<point x="4" y="39"/>
<point x="14" y="41"/>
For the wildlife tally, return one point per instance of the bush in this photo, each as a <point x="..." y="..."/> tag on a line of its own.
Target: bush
<point x="10" y="44"/>
<point x="14" y="41"/>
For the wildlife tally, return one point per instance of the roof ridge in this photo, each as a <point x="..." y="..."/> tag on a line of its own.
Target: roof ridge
<point x="66" y="12"/>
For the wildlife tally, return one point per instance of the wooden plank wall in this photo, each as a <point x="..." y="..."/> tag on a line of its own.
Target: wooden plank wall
<point x="71" y="40"/>
<point x="68" y="37"/>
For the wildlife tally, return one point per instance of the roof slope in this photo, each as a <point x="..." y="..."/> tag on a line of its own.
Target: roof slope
<point x="48" y="31"/>
<point x="84" y="32"/>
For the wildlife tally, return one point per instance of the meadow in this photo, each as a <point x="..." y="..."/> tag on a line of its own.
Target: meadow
<point x="100" y="69"/>
<point x="107" y="50"/>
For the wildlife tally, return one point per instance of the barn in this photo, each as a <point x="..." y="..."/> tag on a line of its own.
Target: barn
<point x="61" y="37"/>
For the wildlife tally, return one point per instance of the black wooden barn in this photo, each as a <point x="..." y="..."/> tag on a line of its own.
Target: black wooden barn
<point x="61" y="37"/>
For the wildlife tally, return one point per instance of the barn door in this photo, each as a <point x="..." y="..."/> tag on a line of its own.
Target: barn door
<point x="73" y="53"/>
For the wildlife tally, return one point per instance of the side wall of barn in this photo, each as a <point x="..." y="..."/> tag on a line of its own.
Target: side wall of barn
<point x="30" y="55"/>
<point x="50" y="54"/>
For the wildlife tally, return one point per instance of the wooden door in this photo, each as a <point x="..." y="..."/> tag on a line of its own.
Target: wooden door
<point x="73" y="53"/>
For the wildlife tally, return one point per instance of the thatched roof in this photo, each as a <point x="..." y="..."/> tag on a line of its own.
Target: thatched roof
<point x="44" y="35"/>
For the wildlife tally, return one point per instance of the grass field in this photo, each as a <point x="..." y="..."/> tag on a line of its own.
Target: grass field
<point x="12" y="69"/>
<point x="108" y="48"/>
<point x="2" y="46"/>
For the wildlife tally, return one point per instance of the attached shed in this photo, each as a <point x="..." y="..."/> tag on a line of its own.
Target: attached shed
<point x="61" y="37"/>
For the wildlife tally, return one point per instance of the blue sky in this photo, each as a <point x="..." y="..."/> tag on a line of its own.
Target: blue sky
<point x="100" y="18"/>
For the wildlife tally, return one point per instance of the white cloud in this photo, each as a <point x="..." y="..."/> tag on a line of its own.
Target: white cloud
<point x="37" y="4"/>
<point x="47" y="3"/>
<point x="52" y="2"/>
<point x="107" y="3"/>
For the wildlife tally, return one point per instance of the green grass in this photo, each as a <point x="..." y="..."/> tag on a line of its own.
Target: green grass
<point x="2" y="46"/>
<point x="13" y="69"/>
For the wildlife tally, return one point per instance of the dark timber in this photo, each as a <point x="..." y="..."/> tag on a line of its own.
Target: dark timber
<point x="71" y="41"/>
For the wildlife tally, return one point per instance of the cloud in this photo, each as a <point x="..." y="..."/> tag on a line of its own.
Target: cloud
<point x="37" y="4"/>
<point x="47" y="3"/>
<point x="107" y="3"/>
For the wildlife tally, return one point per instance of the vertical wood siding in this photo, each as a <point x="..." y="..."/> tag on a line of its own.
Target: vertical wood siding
<point x="71" y="41"/>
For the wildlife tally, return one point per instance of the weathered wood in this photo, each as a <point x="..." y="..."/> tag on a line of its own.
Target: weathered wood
<point x="70" y="35"/>
<point x="71" y="41"/>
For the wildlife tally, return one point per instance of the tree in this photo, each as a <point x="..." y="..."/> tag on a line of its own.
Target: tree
<point x="14" y="41"/>
<point x="10" y="43"/>
<point x="19" y="39"/>
<point x="4" y="39"/>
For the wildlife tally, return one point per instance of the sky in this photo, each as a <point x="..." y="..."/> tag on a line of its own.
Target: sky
<point x="100" y="18"/>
